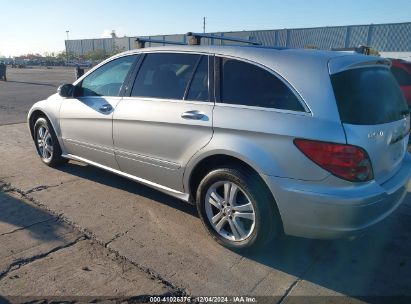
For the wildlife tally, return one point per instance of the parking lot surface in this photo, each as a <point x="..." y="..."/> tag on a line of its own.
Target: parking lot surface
<point x="42" y="255"/>
<point x="64" y="227"/>
<point x="26" y="86"/>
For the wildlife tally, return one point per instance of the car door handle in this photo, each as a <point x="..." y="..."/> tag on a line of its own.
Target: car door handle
<point x="105" y="108"/>
<point x="195" y="115"/>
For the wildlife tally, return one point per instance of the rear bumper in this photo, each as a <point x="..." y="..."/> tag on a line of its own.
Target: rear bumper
<point x="322" y="210"/>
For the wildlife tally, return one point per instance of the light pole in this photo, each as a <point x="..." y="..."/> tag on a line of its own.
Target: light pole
<point x="67" y="56"/>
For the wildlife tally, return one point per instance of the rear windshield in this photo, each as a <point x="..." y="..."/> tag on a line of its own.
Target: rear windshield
<point x="368" y="96"/>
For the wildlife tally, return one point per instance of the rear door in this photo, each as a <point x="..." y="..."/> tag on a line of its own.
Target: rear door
<point x="166" y="119"/>
<point x="374" y="114"/>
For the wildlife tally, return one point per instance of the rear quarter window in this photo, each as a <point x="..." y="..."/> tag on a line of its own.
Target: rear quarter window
<point x="368" y="96"/>
<point x="246" y="84"/>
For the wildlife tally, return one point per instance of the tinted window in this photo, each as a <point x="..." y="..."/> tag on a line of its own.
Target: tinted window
<point x="108" y="79"/>
<point x="403" y="78"/>
<point x="164" y="75"/>
<point x="368" y="96"/>
<point x="246" y="84"/>
<point x="199" y="85"/>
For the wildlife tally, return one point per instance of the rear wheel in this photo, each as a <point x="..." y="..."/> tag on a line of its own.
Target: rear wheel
<point x="46" y="142"/>
<point x="237" y="209"/>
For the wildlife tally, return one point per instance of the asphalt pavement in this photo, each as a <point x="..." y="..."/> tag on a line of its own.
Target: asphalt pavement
<point x="26" y="86"/>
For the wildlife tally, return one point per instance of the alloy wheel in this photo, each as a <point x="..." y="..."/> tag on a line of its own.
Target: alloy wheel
<point x="44" y="143"/>
<point x="230" y="211"/>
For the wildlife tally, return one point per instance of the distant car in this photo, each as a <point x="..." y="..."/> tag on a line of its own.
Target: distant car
<point x="20" y="64"/>
<point x="402" y="72"/>
<point x="221" y="127"/>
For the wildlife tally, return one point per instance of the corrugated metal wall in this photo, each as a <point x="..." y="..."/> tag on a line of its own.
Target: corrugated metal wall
<point x="383" y="37"/>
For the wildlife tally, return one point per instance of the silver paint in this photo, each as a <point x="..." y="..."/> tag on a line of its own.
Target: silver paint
<point x="151" y="141"/>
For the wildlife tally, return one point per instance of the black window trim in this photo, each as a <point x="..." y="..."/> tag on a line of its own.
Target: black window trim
<point x="188" y="86"/>
<point x="133" y="75"/>
<point x="210" y="83"/>
<point x="211" y="78"/>
<point x="125" y="87"/>
<point x="217" y="68"/>
<point x="138" y="65"/>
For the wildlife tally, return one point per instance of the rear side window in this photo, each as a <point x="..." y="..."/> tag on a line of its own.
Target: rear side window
<point x="368" y="96"/>
<point x="164" y="75"/>
<point x="243" y="83"/>
<point x="403" y="78"/>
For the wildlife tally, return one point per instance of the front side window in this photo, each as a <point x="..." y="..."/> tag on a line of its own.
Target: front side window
<point x="164" y="75"/>
<point x="108" y="79"/>
<point x="246" y="84"/>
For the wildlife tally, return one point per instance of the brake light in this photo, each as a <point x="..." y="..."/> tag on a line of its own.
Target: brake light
<point x="344" y="161"/>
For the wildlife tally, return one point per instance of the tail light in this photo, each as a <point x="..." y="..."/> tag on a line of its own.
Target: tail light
<point x="344" y="161"/>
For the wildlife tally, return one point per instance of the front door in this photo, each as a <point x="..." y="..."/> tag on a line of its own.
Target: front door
<point x="86" y="119"/>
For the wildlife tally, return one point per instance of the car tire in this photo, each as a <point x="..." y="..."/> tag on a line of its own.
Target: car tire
<point x="250" y="195"/>
<point x="47" y="144"/>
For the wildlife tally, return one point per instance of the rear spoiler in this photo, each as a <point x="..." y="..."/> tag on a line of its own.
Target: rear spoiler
<point x="342" y="63"/>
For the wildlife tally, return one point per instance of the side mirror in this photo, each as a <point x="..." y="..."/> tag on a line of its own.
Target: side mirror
<point x="66" y="90"/>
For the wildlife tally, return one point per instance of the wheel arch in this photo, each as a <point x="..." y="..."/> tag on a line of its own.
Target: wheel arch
<point x="36" y="114"/>
<point x="199" y="167"/>
<point x="207" y="163"/>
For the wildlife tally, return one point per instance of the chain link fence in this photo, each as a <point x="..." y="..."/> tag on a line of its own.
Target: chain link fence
<point x="395" y="37"/>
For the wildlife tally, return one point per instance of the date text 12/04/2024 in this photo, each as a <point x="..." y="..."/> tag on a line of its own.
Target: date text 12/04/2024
<point x="220" y="299"/>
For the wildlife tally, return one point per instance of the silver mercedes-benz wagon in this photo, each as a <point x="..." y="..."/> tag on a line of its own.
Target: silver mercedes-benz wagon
<point x="264" y="141"/>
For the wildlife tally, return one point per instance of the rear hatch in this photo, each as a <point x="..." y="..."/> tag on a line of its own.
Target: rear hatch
<point x="374" y="114"/>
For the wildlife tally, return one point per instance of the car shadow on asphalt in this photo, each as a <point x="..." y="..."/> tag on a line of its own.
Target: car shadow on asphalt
<point x="33" y="83"/>
<point x="376" y="263"/>
<point x="4" y="300"/>
<point x="16" y="215"/>
<point x="112" y="180"/>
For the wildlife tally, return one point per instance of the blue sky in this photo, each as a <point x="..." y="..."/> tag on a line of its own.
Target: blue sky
<point x="28" y="26"/>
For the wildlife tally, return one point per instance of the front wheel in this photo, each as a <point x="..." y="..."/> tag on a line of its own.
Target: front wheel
<point x="46" y="142"/>
<point x="237" y="209"/>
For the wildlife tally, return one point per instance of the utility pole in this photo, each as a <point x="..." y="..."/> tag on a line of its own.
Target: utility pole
<point x="67" y="56"/>
<point x="204" y="23"/>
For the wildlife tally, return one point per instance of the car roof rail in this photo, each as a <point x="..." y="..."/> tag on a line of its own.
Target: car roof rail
<point x="195" y="39"/>
<point x="141" y="42"/>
